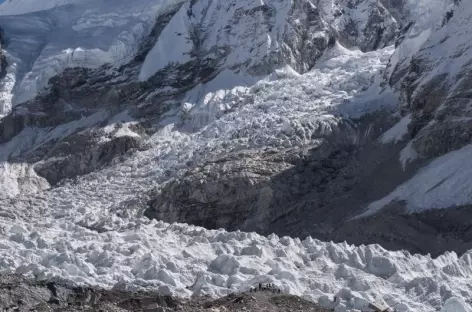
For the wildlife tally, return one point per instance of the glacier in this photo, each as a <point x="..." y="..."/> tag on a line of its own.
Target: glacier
<point x="80" y="231"/>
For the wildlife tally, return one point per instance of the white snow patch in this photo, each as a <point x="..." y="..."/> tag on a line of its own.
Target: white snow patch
<point x="124" y="130"/>
<point x="426" y="16"/>
<point x="167" y="49"/>
<point x="397" y="132"/>
<point x="408" y="154"/>
<point x="210" y="101"/>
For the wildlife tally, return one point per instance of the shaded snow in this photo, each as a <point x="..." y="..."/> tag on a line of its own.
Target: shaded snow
<point x="167" y="50"/>
<point x="455" y="305"/>
<point x="426" y="16"/>
<point x="27" y="6"/>
<point x="407" y="155"/>
<point x="444" y="183"/>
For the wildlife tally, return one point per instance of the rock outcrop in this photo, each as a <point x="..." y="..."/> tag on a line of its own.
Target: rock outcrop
<point x="209" y="43"/>
<point x="437" y="89"/>
<point x="377" y="30"/>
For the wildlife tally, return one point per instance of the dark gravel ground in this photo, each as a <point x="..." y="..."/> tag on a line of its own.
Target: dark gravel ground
<point x="19" y="294"/>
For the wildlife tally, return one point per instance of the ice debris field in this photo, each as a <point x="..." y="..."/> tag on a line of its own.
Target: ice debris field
<point x="171" y="257"/>
<point x="73" y="232"/>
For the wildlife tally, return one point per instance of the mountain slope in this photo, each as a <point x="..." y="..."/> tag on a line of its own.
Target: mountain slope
<point x="435" y="90"/>
<point x="287" y="132"/>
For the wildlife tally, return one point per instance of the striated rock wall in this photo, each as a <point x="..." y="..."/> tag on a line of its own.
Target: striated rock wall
<point x="277" y="190"/>
<point x="433" y="80"/>
<point x="3" y="59"/>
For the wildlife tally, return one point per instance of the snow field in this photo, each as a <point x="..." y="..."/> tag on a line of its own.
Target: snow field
<point x="443" y="183"/>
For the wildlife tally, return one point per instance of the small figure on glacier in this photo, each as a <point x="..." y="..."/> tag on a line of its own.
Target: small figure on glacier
<point x="335" y="303"/>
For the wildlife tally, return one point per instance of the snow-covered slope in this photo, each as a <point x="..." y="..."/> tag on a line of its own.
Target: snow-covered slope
<point x="295" y="33"/>
<point x="435" y="87"/>
<point x="28" y="6"/>
<point x="82" y="232"/>
<point x="43" y="43"/>
<point x="43" y="38"/>
<point x="443" y="183"/>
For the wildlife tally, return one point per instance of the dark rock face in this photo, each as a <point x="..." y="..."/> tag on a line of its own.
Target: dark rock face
<point x="78" y="113"/>
<point x="3" y="59"/>
<point x="61" y="162"/>
<point x="303" y="43"/>
<point x="438" y="98"/>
